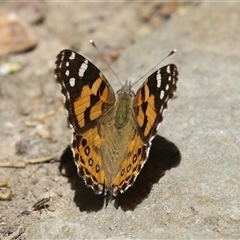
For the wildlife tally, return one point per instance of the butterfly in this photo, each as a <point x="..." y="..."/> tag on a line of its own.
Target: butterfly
<point x="112" y="134"/>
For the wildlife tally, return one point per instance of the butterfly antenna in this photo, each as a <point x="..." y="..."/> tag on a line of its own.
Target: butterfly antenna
<point x="94" y="45"/>
<point x="151" y="70"/>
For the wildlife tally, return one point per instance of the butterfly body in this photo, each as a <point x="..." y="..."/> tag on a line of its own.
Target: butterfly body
<point x="115" y="148"/>
<point x="111" y="133"/>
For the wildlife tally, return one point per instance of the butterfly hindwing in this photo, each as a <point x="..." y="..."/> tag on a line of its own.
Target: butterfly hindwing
<point x="152" y="98"/>
<point x="87" y="93"/>
<point x="131" y="166"/>
<point x="88" y="159"/>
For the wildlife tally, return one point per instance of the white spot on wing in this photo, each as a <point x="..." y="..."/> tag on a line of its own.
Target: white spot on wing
<point x="168" y="69"/>
<point x="159" y="78"/>
<point x="83" y="68"/>
<point x="72" y="82"/>
<point x="161" y="109"/>
<point x="67" y="72"/>
<point x="67" y="64"/>
<point x="72" y="56"/>
<point x="167" y="87"/>
<point x="148" y="148"/>
<point x="67" y="96"/>
<point x="162" y="94"/>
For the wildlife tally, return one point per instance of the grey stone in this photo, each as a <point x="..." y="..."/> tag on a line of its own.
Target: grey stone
<point x="57" y="228"/>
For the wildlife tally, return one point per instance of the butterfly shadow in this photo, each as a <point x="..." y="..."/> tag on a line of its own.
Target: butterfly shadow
<point x="163" y="156"/>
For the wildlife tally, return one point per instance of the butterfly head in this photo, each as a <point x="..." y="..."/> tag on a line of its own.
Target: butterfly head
<point x="126" y="89"/>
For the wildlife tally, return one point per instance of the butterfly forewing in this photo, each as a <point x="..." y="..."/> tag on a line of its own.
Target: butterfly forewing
<point x="87" y="93"/>
<point x="152" y="98"/>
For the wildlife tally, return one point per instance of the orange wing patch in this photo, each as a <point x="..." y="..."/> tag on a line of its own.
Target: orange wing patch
<point x="150" y="114"/>
<point x="84" y="101"/>
<point x="81" y="104"/>
<point x="145" y="111"/>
